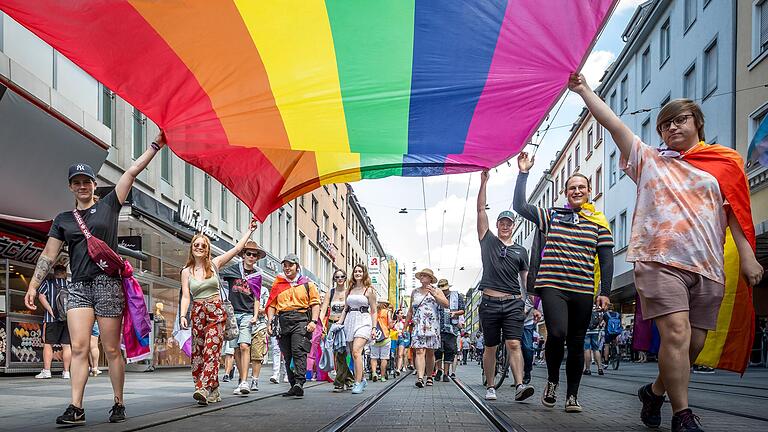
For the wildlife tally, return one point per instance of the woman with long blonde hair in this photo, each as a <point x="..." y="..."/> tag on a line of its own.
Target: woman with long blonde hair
<point x="200" y="287"/>
<point x="359" y="322"/>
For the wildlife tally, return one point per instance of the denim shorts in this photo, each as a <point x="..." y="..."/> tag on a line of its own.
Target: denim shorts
<point x="104" y="294"/>
<point x="244" y="323"/>
<point x="592" y="342"/>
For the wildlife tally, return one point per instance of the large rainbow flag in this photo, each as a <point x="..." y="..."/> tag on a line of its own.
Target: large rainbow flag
<point x="274" y="98"/>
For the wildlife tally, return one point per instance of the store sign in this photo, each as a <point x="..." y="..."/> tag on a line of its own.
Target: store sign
<point x="326" y="244"/>
<point x="374" y="265"/>
<point x="271" y="265"/>
<point x="19" y="249"/>
<point x="191" y="218"/>
<point x="130" y="242"/>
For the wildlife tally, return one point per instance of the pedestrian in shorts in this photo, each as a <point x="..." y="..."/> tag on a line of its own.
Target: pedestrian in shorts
<point x="93" y="294"/>
<point x="55" y="330"/>
<point x="687" y="195"/>
<point x="502" y="305"/>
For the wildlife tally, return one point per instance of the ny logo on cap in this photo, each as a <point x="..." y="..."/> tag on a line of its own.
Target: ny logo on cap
<point x="80" y="167"/>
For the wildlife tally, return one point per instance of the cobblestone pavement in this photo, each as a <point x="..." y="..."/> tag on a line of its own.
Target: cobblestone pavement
<point x="724" y="401"/>
<point x="161" y="401"/>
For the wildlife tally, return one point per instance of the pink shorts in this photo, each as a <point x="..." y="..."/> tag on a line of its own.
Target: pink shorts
<point x="664" y="290"/>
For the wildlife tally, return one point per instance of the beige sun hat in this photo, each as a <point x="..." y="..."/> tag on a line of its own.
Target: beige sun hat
<point x="427" y="272"/>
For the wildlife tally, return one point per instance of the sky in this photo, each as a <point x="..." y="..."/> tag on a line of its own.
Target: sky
<point x="444" y="237"/>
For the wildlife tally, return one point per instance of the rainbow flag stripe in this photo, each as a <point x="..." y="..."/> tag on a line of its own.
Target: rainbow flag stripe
<point x="275" y="98"/>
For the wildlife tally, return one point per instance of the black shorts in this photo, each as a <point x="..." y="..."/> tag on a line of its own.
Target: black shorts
<point x="447" y="351"/>
<point x="501" y="318"/>
<point x="56" y="333"/>
<point x="610" y="337"/>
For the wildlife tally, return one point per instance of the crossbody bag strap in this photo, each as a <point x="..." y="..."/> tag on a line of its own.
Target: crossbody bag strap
<point x="81" y="224"/>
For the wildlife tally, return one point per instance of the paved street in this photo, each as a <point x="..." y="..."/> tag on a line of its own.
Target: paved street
<point x="161" y="401"/>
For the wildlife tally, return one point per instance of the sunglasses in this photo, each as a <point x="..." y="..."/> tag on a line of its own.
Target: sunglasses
<point x="252" y="254"/>
<point x="339" y="277"/>
<point x="200" y="246"/>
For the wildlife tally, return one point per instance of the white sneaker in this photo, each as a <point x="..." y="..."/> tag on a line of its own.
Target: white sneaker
<point x="274" y="379"/>
<point x="490" y="393"/>
<point x="65" y="374"/>
<point x="254" y="384"/>
<point x="44" y="374"/>
<point x="285" y="380"/>
<point x="244" y="388"/>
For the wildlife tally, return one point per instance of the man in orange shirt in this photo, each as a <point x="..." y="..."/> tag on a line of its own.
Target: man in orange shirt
<point x="292" y="312"/>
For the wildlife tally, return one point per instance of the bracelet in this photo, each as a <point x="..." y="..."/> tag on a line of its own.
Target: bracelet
<point x="155" y="146"/>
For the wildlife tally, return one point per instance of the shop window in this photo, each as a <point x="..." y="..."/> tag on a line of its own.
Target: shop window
<point x="164" y="307"/>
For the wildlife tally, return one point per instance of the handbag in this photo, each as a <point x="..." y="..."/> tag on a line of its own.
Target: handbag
<point x="102" y="255"/>
<point x="231" y="329"/>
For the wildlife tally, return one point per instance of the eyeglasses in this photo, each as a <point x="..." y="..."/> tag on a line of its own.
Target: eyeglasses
<point x="678" y="121"/>
<point x="200" y="246"/>
<point x="251" y="254"/>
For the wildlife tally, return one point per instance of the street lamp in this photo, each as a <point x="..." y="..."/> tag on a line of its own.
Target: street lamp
<point x="403" y="211"/>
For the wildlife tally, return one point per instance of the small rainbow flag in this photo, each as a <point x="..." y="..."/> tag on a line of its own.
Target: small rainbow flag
<point x="274" y="98"/>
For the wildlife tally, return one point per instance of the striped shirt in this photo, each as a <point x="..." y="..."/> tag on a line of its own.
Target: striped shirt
<point x="568" y="261"/>
<point x="50" y="289"/>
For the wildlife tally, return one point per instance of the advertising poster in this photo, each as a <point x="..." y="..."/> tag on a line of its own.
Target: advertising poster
<point x="26" y="342"/>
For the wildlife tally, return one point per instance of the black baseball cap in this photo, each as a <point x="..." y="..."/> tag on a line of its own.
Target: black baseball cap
<point x="81" y="169"/>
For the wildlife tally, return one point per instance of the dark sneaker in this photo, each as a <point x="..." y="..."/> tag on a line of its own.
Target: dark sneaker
<point x="572" y="405"/>
<point x="650" y="414"/>
<point x="291" y="392"/>
<point x="430" y="381"/>
<point x="72" y="415"/>
<point x="117" y="413"/>
<point x="587" y="372"/>
<point x="527" y="378"/>
<point x="523" y="392"/>
<point x="453" y="375"/>
<point x="298" y="391"/>
<point x="419" y="383"/>
<point x="338" y="388"/>
<point x="446" y="379"/>
<point x="438" y="375"/>
<point x="686" y="421"/>
<point x="702" y="370"/>
<point x="225" y="378"/>
<point x="600" y="372"/>
<point x="549" y="397"/>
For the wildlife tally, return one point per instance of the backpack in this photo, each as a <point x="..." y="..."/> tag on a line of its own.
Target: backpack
<point x="61" y="301"/>
<point x="614" y="323"/>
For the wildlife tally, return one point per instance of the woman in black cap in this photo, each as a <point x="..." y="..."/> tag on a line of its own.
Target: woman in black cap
<point x="93" y="294"/>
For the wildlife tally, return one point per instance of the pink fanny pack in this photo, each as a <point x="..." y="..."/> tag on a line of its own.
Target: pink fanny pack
<point x="101" y="254"/>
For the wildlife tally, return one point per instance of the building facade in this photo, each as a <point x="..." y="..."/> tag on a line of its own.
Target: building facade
<point x="65" y="116"/>
<point x="674" y="49"/>
<point x="751" y="110"/>
<point x="321" y="216"/>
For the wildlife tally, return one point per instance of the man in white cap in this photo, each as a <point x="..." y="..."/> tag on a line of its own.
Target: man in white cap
<point x="502" y="308"/>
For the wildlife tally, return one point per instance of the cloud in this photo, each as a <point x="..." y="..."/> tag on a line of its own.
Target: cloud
<point x="628" y="5"/>
<point x="597" y="63"/>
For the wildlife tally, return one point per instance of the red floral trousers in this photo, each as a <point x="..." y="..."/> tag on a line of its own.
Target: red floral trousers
<point x="208" y="318"/>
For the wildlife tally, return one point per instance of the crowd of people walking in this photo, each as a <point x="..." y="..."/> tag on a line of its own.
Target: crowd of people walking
<point x="566" y="279"/>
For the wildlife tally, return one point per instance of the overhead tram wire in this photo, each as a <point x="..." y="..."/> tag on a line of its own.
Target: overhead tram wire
<point x="442" y="228"/>
<point x="461" y="228"/>
<point x="426" y="229"/>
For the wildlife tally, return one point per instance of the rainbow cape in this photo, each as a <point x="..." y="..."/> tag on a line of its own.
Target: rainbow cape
<point x="281" y="284"/>
<point x="730" y="344"/>
<point x="275" y="98"/>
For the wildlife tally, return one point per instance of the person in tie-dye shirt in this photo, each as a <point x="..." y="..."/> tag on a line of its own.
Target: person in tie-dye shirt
<point x="678" y="233"/>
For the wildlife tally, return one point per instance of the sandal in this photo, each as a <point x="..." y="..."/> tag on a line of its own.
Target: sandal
<point x="419" y="383"/>
<point x="430" y="381"/>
